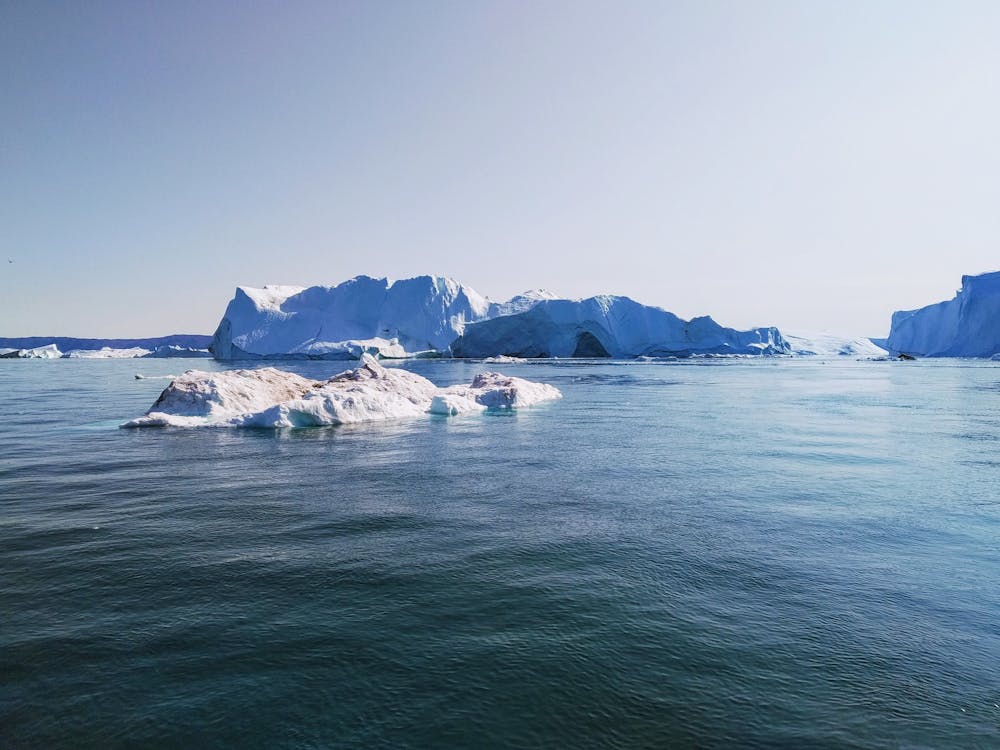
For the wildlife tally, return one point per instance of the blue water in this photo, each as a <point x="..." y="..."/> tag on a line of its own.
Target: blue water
<point x="718" y="554"/>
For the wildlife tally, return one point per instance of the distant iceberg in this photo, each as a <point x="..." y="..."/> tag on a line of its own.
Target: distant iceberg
<point x="431" y="315"/>
<point x="107" y="352"/>
<point x="172" y="351"/>
<point x="831" y="345"/>
<point x="65" y="347"/>
<point x="609" y="326"/>
<point x="966" y="326"/>
<point x="268" y="397"/>
<point x="49" y="351"/>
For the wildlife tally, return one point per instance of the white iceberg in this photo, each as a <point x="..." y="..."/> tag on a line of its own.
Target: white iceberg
<point x="50" y="351"/>
<point x="825" y="344"/>
<point x="966" y="326"/>
<point x="107" y="352"/>
<point x="609" y="326"/>
<point x="360" y="316"/>
<point x="268" y="397"/>
<point x="503" y="359"/>
<point x="431" y="315"/>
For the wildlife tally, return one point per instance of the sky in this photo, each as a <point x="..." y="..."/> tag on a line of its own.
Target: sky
<point x="810" y="165"/>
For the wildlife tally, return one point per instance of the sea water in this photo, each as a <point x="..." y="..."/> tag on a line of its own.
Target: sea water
<point x="725" y="553"/>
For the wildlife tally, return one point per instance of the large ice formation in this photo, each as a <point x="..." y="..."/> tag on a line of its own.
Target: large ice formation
<point x="966" y="326"/>
<point x="268" y="397"/>
<point x="360" y="316"/>
<point x="608" y="326"/>
<point x="831" y="345"/>
<point x="432" y="314"/>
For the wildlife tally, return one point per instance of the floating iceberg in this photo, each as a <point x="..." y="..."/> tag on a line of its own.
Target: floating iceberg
<point x="966" y="326"/>
<point x="50" y="351"/>
<point x="107" y="352"/>
<point x="831" y="345"/>
<point x="503" y="359"/>
<point x="268" y="397"/>
<point x="608" y="326"/>
<point x="431" y="315"/>
<point x="171" y="351"/>
<point x="70" y="344"/>
<point x="360" y="316"/>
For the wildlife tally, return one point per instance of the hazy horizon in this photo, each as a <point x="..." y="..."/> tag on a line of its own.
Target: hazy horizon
<point x="812" y="167"/>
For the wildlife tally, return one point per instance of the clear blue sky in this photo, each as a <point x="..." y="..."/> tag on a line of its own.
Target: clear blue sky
<point x="803" y="164"/>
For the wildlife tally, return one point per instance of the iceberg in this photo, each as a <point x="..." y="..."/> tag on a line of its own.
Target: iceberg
<point x="966" y="326"/>
<point x="360" y="316"/>
<point x="49" y="351"/>
<point x="70" y="344"/>
<point x="608" y="326"/>
<point x="269" y="397"/>
<point x="107" y="352"/>
<point x="831" y="345"/>
<point x="170" y="351"/>
<point x="434" y="316"/>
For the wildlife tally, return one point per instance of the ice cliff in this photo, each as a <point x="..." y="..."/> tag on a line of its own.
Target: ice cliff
<point x="608" y="326"/>
<point x="438" y="315"/>
<point x="268" y="397"/>
<point x="966" y="326"/>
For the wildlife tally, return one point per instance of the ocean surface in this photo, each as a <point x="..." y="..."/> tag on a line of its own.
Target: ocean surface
<point x="773" y="553"/>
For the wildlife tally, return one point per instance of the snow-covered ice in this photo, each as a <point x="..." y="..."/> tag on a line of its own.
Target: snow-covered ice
<point x="503" y="359"/>
<point x="831" y="345"/>
<point x="432" y="314"/>
<point x="268" y="397"/>
<point x="107" y="352"/>
<point x="965" y="326"/>
<point x="50" y="351"/>
<point x="360" y="316"/>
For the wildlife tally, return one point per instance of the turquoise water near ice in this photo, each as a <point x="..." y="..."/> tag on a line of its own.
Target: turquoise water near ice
<point x="690" y="554"/>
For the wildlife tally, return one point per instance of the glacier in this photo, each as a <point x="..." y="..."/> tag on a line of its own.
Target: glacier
<point x="966" y="326"/>
<point x="437" y="316"/>
<point x="269" y="397"/>
<point x="609" y="326"/>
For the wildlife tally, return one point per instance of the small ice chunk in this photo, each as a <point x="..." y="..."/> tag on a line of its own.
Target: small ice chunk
<point x="268" y="397"/>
